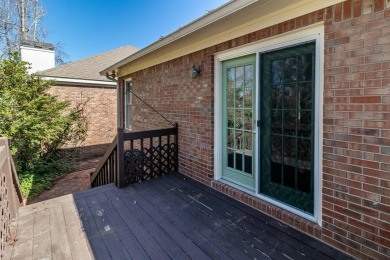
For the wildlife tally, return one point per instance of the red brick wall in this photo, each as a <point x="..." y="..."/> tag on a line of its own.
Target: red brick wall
<point x="356" y="129"/>
<point x="356" y="158"/>
<point x="180" y="99"/>
<point x="100" y="111"/>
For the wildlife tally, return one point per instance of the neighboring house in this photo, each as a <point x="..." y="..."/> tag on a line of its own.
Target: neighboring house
<point x="80" y="82"/>
<point x="289" y="114"/>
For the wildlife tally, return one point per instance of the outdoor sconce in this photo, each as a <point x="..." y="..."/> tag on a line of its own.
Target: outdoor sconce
<point x="195" y="71"/>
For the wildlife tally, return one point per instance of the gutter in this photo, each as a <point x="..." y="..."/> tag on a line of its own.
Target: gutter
<point x="72" y="81"/>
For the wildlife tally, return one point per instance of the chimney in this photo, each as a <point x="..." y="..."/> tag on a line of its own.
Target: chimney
<point x="40" y="55"/>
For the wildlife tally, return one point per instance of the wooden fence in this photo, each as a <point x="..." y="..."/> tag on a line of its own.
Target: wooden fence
<point x="10" y="192"/>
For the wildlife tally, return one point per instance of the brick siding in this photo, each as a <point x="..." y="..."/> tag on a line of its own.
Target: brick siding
<point x="100" y="111"/>
<point x="356" y="129"/>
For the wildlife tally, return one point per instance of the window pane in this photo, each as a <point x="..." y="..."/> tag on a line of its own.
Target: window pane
<point x="305" y="67"/>
<point x="239" y="87"/>
<point x="128" y="115"/>
<point x="289" y="150"/>
<point x="248" y="141"/>
<point x="305" y="96"/>
<point x="239" y="120"/>
<point x="248" y="119"/>
<point x="277" y="72"/>
<point x="230" y="88"/>
<point x="238" y="161"/>
<point x="276" y="121"/>
<point x="277" y="96"/>
<point x="230" y="158"/>
<point x="230" y="138"/>
<point x="230" y="118"/>
<point x="304" y="127"/>
<point x="289" y="122"/>
<point x="290" y="97"/>
<point x="276" y="148"/>
<point x="290" y="67"/>
<point x="239" y="140"/>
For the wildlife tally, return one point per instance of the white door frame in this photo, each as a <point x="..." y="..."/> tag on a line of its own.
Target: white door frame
<point x="309" y="33"/>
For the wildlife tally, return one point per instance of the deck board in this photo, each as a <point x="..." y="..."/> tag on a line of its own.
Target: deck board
<point x="131" y="244"/>
<point x="151" y="247"/>
<point x="159" y="235"/>
<point x="254" y="230"/>
<point x="171" y="217"/>
<point x="290" y="235"/>
<point x="185" y="226"/>
<point x="215" y="232"/>
<point x="183" y="241"/>
<point x="75" y="233"/>
<point x="100" y="251"/>
<point x="60" y="247"/>
<point x="41" y="235"/>
<point x="49" y="230"/>
<point x="175" y="218"/>
<point x="23" y="249"/>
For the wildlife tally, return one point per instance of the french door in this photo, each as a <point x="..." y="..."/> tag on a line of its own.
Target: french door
<point x="285" y="143"/>
<point x="287" y="126"/>
<point x="238" y="124"/>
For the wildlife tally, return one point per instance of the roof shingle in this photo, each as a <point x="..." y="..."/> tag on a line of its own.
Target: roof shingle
<point x="89" y="68"/>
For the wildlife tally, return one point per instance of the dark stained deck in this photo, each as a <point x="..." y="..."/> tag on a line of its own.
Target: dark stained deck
<point x="176" y="218"/>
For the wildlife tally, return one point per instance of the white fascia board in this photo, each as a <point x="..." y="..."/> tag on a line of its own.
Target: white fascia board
<point x="223" y="11"/>
<point x="83" y="82"/>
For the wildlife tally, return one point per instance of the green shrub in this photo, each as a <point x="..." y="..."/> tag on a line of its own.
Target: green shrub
<point x="36" y="123"/>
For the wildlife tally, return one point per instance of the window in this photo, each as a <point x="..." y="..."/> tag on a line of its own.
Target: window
<point x="128" y="115"/>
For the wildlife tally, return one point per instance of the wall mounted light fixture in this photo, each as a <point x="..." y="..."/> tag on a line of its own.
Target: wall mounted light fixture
<point x="195" y="71"/>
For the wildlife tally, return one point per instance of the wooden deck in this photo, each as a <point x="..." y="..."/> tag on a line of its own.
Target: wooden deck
<point x="168" y="218"/>
<point x="49" y="230"/>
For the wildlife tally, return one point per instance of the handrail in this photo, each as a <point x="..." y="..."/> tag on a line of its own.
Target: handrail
<point x="11" y="192"/>
<point x="15" y="180"/>
<point x="138" y="156"/>
<point x="102" y="167"/>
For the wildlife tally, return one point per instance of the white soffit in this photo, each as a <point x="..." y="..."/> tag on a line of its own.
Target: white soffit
<point x="232" y="20"/>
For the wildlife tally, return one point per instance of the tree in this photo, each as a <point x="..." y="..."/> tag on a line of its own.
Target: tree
<point x="20" y="20"/>
<point x="36" y="123"/>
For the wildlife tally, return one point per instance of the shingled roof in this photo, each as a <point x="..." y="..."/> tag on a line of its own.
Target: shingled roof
<point x="89" y="68"/>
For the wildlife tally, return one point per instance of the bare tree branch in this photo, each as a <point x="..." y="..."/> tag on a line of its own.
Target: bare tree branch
<point x="21" y="20"/>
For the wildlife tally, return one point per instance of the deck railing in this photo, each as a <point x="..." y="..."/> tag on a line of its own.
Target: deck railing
<point x="10" y="192"/>
<point x="107" y="170"/>
<point x="138" y="156"/>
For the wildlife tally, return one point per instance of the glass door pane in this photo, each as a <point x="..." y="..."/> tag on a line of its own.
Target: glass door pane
<point x="238" y="128"/>
<point x="287" y="125"/>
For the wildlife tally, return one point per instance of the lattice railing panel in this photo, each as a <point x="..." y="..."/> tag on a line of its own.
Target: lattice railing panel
<point x="149" y="154"/>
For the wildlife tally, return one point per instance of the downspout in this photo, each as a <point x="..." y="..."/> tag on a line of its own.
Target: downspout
<point x="118" y="100"/>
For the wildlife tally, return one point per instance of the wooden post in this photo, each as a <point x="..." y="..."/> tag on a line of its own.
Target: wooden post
<point x="177" y="147"/>
<point x="121" y="162"/>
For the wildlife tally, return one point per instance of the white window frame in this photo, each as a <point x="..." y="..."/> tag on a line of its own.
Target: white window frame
<point x="127" y="99"/>
<point x="314" y="32"/>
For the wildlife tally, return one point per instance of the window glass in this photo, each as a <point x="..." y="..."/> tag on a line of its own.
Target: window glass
<point x="128" y="115"/>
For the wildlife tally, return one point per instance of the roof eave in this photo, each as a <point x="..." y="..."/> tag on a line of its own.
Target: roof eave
<point x="83" y="82"/>
<point x="197" y="24"/>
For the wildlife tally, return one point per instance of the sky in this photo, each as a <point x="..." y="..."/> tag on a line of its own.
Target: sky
<point x="88" y="27"/>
